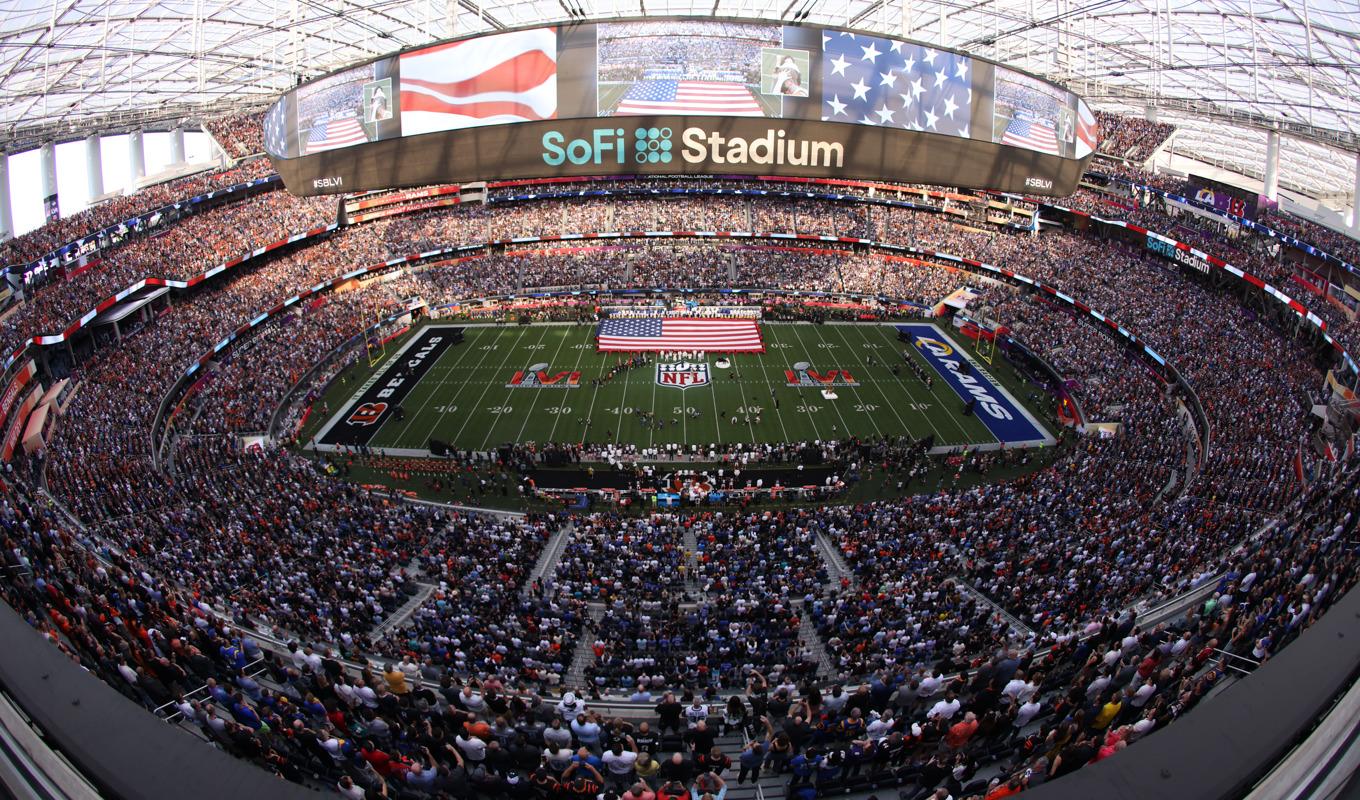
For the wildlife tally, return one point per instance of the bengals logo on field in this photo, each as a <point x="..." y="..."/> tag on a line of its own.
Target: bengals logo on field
<point x="366" y="414"/>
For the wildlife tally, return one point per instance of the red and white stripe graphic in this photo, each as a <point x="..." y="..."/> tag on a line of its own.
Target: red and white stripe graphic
<point x="509" y="77"/>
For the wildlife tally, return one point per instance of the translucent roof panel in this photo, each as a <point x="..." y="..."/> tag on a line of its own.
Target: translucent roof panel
<point x="70" y="66"/>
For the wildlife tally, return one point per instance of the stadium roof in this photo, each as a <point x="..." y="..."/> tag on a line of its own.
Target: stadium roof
<point x="71" y="66"/>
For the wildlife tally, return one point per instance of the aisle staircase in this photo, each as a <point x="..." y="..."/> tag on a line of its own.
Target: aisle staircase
<point x="584" y="654"/>
<point x="546" y="565"/>
<point x="405" y="612"/>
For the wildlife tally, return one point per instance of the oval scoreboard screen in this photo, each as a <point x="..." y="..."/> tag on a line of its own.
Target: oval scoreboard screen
<point x="679" y="96"/>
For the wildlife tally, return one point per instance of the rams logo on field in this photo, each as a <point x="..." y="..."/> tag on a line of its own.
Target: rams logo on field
<point x="803" y="374"/>
<point x="366" y="414"/>
<point x="537" y="377"/>
<point x="939" y="348"/>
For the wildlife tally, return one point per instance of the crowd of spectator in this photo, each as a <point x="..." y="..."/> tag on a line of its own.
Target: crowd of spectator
<point x="938" y="581"/>
<point x="239" y="135"/>
<point x="37" y="243"/>
<point x="1131" y="138"/>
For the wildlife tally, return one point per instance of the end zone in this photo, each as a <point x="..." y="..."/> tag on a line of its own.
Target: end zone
<point x="375" y="401"/>
<point x="1008" y="420"/>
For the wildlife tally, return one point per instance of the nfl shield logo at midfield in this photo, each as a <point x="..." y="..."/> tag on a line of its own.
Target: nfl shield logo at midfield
<point x="682" y="374"/>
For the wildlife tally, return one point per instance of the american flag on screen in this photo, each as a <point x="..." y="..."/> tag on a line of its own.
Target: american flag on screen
<point x="874" y="81"/>
<point x="275" y="129"/>
<point x="1088" y="132"/>
<point x="720" y="335"/>
<point x="690" y="97"/>
<point x="1031" y="135"/>
<point x="334" y="133"/>
<point x="508" y="77"/>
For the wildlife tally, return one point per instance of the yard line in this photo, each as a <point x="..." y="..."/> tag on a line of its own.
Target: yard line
<point x="651" y="429"/>
<point x="461" y="385"/>
<point x="833" y="405"/>
<point x="623" y="401"/>
<point x="510" y="394"/>
<point x="468" y="417"/>
<point x="801" y="402"/>
<point x="760" y="359"/>
<point x="713" y="395"/>
<point x="935" y="394"/>
<point x="877" y="385"/>
<point x="741" y="384"/>
<point x="580" y="353"/>
<point x="590" y="412"/>
<point x="466" y="346"/>
<point x="853" y="389"/>
<point x="534" y="402"/>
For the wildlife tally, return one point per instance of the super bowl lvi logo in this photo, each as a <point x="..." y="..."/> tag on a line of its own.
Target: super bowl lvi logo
<point x="538" y="377"/>
<point x="803" y="374"/>
<point x="681" y="374"/>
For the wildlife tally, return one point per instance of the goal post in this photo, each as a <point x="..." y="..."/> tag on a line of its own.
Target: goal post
<point x="375" y="344"/>
<point x="986" y="347"/>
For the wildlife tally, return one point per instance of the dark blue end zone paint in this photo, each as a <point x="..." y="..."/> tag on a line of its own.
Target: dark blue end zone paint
<point x="1003" y="415"/>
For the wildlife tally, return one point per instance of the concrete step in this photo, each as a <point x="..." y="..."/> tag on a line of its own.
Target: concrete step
<point x="584" y="655"/>
<point x="402" y="614"/>
<point x="547" y="560"/>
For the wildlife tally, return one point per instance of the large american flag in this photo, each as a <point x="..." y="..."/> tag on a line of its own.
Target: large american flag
<point x="334" y="133"/>
<point x="275" y="129"/>
<point x="876" y="81"/>
<point x="1031" y="135"/>
<point x="720" y="335"/>
<point x="690" y="97"/>
<point x="488" y="80"/>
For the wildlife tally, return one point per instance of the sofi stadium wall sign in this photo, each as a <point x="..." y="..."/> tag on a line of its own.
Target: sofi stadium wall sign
<point x="696" y="146"/>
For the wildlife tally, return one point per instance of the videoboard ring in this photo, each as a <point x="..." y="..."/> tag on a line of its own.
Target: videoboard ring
<point x="724" y="110"/>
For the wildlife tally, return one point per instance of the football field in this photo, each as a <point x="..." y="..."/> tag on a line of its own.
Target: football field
<point x="479" y="386"/>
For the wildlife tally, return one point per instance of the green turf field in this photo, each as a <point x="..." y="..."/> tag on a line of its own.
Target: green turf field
<point x="463" y="398"/>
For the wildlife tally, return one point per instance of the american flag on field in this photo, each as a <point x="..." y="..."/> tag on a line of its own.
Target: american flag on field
<point x="1031" y="135"/>
<point x="489" y="80"/>
<point x="690" y="97"/>
<point x="875" y="81"/>
<point x="720" y="335"/>
<point x="334" y="133"/>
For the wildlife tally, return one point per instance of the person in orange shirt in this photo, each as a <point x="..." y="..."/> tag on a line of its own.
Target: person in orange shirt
<point x="396" y="680"/>
<point x="1014" y="786"/>
<point x="478" y="728"/>
<point x="960" y="732"/>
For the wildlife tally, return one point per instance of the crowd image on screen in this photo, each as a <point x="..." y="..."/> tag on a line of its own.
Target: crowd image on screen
<point x="977" y="639"/>
<point x="627" y="51"/>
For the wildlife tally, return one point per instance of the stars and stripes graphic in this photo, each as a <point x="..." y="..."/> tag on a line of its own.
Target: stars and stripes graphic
<point x="489" y="80"/>
<point x="275" y="129"/>
<point x="1088" y="132"/>
<point x="1031" y="135"/>
<point x="718" y="335"/>
<point x="334" y="133"/>
<point x="874" y="81"/>
<point x="690" y="97"/>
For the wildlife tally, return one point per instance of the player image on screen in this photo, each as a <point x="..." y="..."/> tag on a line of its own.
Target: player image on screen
<point x="1032" y="114"/>
<point x="684" y="68"/>
<point x="784" y="72"/>
<point x="331" y="111"/>
<point x="378" y="100"/>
